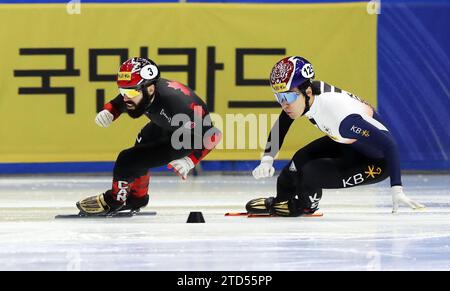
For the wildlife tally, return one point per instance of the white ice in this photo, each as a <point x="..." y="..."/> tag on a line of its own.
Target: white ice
<point x="357" y="231"/>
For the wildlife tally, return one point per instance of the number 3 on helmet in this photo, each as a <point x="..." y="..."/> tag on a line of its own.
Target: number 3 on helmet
<point x="137" y="73"/>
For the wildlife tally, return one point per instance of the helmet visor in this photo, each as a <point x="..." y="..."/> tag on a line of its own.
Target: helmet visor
<point x="288" y="97"/>
<point x="130" y="93"/>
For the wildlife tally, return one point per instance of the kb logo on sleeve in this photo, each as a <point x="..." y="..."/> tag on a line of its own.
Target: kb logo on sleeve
<point x="360" y="131"/>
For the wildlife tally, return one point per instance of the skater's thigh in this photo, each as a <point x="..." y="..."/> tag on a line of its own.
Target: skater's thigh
<point x="335" y="173"/>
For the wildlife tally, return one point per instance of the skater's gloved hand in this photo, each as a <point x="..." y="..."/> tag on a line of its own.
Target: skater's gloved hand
<point x="398" y="197"/>
<point x="265" y="168"/>
<point x="181" y="166"/>
<point x="104" y="118"/>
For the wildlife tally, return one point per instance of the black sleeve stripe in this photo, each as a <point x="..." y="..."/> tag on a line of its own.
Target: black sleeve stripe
<point x="316" y="87"/>
<point x="320" y="87"/>
<point x="119" y="104"/>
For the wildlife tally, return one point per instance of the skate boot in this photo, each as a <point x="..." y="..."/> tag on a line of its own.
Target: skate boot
<point x="138" y="196"/>
<point x="98" y="205"/>
<point x="260" y="205"/>
<point x="289" y="208"/>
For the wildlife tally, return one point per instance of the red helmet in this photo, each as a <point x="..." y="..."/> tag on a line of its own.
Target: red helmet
<point x="137" y="73"/>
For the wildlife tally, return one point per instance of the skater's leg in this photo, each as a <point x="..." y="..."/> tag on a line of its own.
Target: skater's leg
<point x="289" y="179"/>
<point x="299" y="187"/>
<point x="130" y="175"/>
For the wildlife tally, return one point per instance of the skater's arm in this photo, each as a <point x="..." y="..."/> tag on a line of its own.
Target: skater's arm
<point x="210" y="139"/>
<point x="274" y="143"/>
<point x="277" y="134"/>
<point x="197" y="123"/>
<point x="111" y="111"/>
<point x="206" y="140"/>
<point x="371" y="136"/>
<point x="368" y="135"/>
<point x="116" y="106"/>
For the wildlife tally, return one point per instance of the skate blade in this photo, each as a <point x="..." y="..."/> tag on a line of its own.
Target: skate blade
<point x="115" y="215"/>
<point x="236" y="214"/>
<point x="317" y="214"/>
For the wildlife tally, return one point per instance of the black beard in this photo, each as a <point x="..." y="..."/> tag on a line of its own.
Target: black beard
<point x="140" y="109"/>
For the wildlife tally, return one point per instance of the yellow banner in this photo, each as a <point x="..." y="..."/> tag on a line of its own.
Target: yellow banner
<point x="59" y="68"/>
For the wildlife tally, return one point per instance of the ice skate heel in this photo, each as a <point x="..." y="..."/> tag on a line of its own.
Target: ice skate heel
<point x="135" y="204"/>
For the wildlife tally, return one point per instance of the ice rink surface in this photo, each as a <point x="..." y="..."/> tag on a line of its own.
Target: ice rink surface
<point x="357" y="231"/>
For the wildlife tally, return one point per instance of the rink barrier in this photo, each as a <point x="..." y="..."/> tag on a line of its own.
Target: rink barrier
<point x="107" y="167"/>
<point x="205" y="166"/>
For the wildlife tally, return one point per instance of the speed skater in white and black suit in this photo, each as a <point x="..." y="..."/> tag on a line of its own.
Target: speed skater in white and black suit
<point x="357" y="150"/>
